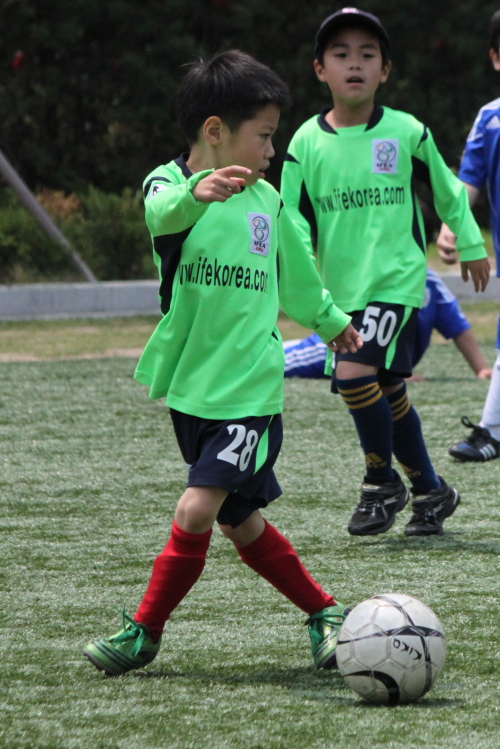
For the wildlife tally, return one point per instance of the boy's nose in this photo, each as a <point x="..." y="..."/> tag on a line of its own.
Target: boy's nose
<point x="269" y="150"/>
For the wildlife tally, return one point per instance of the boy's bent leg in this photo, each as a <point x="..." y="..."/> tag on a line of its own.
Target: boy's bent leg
<point x="273" y="557"/>
<point x="383" y="493"/>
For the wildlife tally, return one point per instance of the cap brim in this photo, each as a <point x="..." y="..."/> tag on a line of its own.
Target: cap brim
<point x="347" y="19"/>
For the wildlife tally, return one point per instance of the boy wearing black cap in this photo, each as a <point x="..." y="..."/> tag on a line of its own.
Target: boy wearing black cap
<point x="348" y="181"/>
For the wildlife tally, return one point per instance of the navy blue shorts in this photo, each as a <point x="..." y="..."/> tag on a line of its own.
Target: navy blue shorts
<point x="388" y="333"/>
<point x="237" y="455"/>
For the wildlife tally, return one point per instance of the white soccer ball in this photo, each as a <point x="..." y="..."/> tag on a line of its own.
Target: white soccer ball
<point x="391" y="649"/>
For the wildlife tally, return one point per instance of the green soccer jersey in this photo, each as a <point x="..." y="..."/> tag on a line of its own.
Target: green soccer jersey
<point x="224" y="269"/>
<point x="353" y="190"/>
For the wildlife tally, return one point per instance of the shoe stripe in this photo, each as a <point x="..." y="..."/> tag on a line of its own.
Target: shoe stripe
<point x="114" y="655"/>
<point x="488" y="451"/>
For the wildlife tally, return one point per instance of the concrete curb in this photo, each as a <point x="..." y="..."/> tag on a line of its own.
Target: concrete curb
<point x="464" y="292"/>
<point x="121" y="298"/>
<point x="53" y="300"/>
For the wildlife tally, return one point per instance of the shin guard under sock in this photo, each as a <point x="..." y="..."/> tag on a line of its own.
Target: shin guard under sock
<point x="373" y="420"/>
<point x="175" y="571"/>
<point x="408" y="444"/>
<point x="273" y="557"/>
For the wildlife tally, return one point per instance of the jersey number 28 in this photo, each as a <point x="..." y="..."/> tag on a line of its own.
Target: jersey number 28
<point x="229" y="454"/>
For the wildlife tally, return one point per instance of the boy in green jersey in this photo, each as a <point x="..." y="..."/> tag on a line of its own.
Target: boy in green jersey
<point x="221" y="239"/>
<point x="348" y="181"/>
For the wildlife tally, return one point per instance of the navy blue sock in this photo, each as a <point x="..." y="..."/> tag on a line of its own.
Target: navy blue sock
<point x="373" y="419"/>
<point x="408" y="444"/>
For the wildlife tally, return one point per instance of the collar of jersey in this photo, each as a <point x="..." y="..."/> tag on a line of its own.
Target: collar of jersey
<point x="181" y="163"/>
<point x="375" y="117"/>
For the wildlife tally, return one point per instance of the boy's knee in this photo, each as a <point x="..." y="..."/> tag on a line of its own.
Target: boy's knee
<point x="246" y="533"/>
<point x="350" y="370"/>
<point x="198" y="507"/>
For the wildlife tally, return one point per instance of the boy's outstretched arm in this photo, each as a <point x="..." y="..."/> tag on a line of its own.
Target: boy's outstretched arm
<point x="348" y="340"/>
<point x="220" y="185"/>
<point x="174" y="204"/>
<point x="469" y="348"/>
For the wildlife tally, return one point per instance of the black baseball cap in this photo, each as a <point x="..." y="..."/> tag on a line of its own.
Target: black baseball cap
<point x="494" y="31"/>
<point x="346" y="17"/>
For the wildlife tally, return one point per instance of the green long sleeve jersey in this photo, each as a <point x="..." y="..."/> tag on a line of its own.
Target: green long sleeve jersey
<point x="353" y="191"/>
<point x="224" y="270"/>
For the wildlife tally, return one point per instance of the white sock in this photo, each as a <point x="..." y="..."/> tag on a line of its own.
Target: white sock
<point x="491" y="411"/>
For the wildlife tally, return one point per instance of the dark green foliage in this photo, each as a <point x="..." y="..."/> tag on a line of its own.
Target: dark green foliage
<point x="92" y="100"/>
<point x="107" y="230"/>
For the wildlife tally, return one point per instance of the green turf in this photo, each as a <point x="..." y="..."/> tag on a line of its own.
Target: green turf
<point x="90" y="477"/>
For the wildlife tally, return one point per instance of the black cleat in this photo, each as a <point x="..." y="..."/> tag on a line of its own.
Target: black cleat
<point x="377" y="507"/>
<point x="430" y="511"/>
<point x="479" y="446"/>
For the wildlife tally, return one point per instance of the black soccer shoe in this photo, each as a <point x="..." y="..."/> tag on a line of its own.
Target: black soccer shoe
<point x="377" y="507"/>
<point x="430" y="511"/>
<point x="479" y="446"/>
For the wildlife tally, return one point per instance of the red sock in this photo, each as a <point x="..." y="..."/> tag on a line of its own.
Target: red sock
<point x="275" y="559"/>
<point x="175" y="571"/>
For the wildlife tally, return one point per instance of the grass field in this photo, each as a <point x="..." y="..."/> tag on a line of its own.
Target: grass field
<point x="90" y="478"/>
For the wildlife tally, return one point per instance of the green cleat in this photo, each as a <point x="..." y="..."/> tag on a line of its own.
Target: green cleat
<point x="324" y="628"/>
<point x="130" y="648"/>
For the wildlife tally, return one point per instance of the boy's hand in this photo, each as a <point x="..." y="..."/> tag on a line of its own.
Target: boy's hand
<point x="479" y="271"/>
<point x="220" y="185"/>
<point x="484" y="374"/>
<point x="446" y="244"/>
<point x="348" y="340"/>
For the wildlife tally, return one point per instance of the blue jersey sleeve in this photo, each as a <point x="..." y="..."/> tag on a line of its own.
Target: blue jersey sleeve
<point x="474" y="166"/>
<point x="450" y="320"/>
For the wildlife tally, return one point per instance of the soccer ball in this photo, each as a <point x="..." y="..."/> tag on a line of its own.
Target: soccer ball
<point x="391" y="649"/>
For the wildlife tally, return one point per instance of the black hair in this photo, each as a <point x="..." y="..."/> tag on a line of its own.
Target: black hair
<point x="232" y="86"/>
<point x="494" y="31"/>
<point x="351" y="22"/>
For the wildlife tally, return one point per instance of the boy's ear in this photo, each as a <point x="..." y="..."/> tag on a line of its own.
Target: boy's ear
<point x="495" y="59"/>
<point x="319" y="70"/>
<point x="212" y="129"/>
<point x="385" y="72"/>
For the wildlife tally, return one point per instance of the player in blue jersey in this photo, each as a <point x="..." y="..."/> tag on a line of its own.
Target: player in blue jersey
<point x="480" y="167"/>
<point x="441" y="312"/>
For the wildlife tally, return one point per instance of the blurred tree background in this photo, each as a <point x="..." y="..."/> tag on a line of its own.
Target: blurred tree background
<point x="87" y="89"/>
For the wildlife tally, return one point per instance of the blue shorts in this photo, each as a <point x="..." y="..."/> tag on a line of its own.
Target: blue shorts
<point x="388" y="332"/>
<point x="237" y="455"/>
